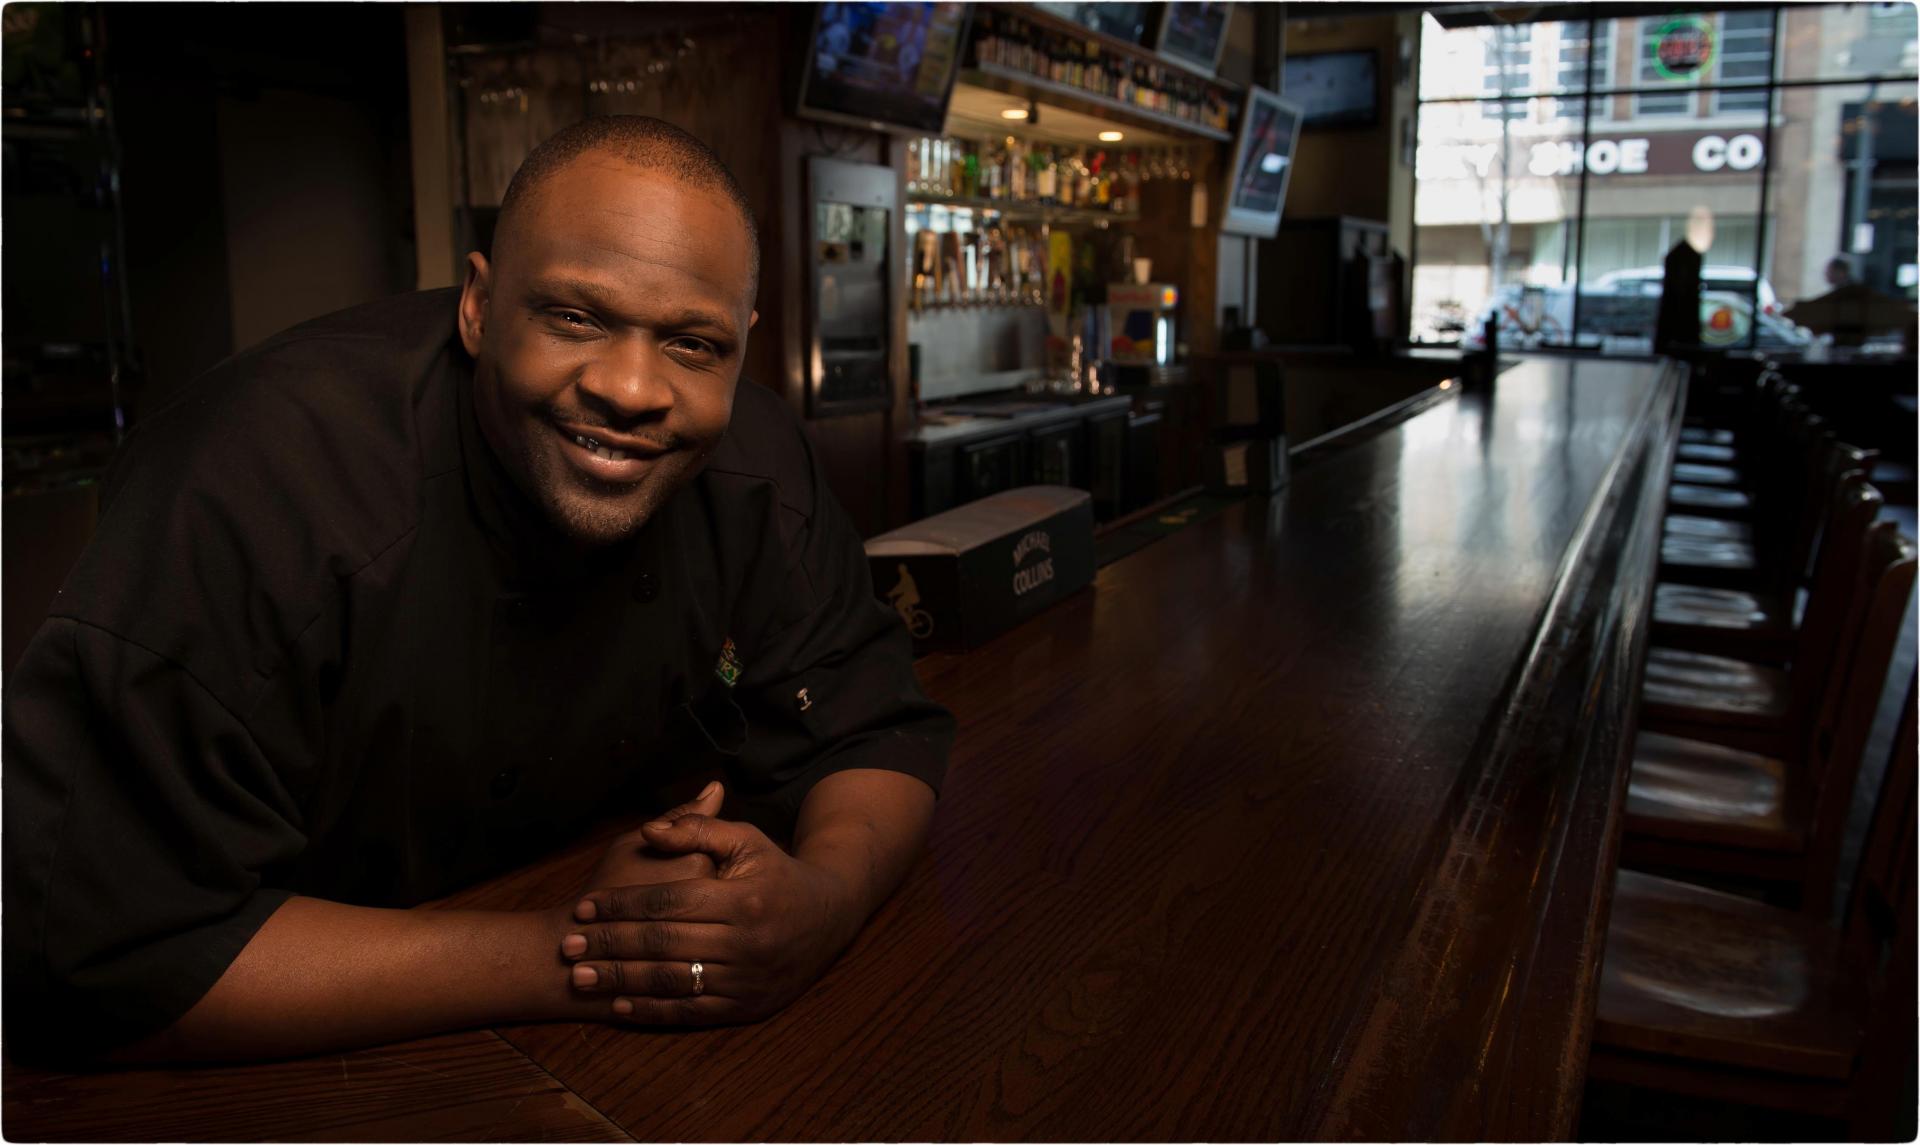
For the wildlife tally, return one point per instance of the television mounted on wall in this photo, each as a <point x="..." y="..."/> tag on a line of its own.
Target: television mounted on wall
<point x="1122" y="21"/>
<point x="1263" y="150"/>
<point x="1334" y="89"/>
<point x="1194" y="33"/>
<point x="886" y="67"/>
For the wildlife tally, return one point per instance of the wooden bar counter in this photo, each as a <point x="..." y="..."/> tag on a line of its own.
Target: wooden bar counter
<point x="1299" y="825"/>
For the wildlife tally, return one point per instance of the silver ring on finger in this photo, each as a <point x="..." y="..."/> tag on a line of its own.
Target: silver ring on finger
<point x="699" y="979"/>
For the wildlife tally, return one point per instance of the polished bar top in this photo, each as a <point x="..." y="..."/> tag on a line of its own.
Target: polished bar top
<point x="1298" y="824"/>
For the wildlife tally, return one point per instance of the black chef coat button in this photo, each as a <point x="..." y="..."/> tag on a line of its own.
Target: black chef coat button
<point x="518" y="609"/>
<point x="645" y="587"/>
<point x="505" y="782"/>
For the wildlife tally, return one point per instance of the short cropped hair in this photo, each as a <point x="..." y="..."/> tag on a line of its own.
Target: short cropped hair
<point x="645" y="142"/>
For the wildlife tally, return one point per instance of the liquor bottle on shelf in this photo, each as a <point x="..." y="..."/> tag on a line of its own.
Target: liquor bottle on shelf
<point x="956" y="168"/>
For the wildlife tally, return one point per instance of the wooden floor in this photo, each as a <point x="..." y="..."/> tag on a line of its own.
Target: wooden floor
<point x="1298" y="825"/>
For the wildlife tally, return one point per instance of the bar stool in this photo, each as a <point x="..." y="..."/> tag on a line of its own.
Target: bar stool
<point x="1705" y="435"/>
<point x="1719" y="996"/>
<point x="1704" y="806"/>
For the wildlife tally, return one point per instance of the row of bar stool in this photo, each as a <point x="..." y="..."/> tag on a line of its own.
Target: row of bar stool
<point x="1777" y="617"/>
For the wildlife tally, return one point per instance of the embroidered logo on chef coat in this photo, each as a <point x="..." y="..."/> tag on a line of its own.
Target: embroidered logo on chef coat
<point x="729" y="667"/>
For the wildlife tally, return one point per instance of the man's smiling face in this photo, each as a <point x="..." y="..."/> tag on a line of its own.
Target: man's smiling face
<point x="607" y="335"/>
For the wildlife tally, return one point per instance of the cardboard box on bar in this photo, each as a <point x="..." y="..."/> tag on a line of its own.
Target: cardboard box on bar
<point x="959" y="578"/>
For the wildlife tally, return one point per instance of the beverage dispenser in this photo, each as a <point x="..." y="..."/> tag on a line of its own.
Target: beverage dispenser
<point x="1140" y="316"/>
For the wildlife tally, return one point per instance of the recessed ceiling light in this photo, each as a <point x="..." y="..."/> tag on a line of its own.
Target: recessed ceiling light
<point x="1111" y="137"/>
<point x="1014" y="113"/>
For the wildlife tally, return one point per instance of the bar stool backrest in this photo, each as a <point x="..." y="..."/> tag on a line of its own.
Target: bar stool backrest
<point x="1789" y="490"/>
<point x="1878" y="947"/>
<point x="1835" y="591"/>
<point x="1757" y="419"/>
<point x="1883" y="887"/>
<point x="1831" y="463"/>
<point x="1856" y="682"/>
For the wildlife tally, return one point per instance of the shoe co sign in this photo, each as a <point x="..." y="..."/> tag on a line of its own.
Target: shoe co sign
<point x="1676" y="153"/>
<point x="1680" y="154"/>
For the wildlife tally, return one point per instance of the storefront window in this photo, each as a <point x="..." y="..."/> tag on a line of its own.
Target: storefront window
<point x="1556" y="223"/>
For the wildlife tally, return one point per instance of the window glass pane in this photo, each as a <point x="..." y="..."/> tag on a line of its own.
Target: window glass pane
<point x="1844" y="41"/>
<point x="1742" y="57"/>
<point x="1571" y="48"/>
<point x="1843" y="190"/>
<point x="1488" y="60"/>
<point x="1670" y="52"/>
<point x="1633" y="225"/>
<point x="1507" y="65"/>
<point x="1497" y="201"/>
<point x="1493" y="202"/>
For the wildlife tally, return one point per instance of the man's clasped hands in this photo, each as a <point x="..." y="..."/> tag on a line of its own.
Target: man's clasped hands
<point x="689" y="888"/>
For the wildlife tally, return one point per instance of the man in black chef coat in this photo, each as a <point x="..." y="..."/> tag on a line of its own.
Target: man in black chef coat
<point x="412" y="593"/>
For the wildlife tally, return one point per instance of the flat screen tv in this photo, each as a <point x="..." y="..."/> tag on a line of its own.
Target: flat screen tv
<point x="1194" y="33"/>
<point x="1262" y="164"/>
<point x="1334" y="89"/>
<point x="1122" y="21"/>
<point x="888" y="67"/>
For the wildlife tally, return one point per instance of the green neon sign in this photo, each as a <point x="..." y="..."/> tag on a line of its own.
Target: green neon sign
<point x="1682" y="49"/>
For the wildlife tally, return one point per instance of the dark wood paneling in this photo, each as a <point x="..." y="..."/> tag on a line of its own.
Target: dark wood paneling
<point x="855" y="450"/>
